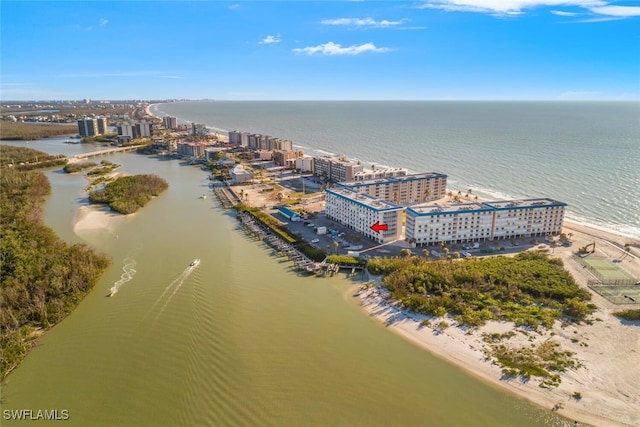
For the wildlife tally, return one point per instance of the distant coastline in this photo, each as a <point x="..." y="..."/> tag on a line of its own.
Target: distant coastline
<point x="500" y="149"/>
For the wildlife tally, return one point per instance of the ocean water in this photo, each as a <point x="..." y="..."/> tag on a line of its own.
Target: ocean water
<point x="586" y="154"/>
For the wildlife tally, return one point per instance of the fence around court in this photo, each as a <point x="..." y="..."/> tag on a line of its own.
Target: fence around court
<point x="606" y="271"/>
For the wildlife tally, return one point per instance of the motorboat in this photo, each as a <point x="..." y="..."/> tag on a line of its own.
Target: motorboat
<point x="195" y="262"/>
<point x="113" y="291"/>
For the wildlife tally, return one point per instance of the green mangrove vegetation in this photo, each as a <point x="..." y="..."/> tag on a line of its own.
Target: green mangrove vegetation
<point x="127" y="194"/>
<point x="23" y="158"/>
<point x="78" y="167"/>
<point x="27" y="131"/>
<point x="42" y="278"/>
<point x="530" y="289"/>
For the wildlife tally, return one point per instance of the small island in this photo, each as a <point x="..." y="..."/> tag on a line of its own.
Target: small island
<point x="127" y="194"/>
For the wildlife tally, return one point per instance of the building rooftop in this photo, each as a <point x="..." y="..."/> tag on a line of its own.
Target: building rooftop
<point x="392" y="179"/>
<point x="363" y="199"/>
<point x="438" y="207"/>
<point x="524" y="203"/>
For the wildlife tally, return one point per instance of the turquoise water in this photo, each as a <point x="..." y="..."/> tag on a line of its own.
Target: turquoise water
<point x="586" y="154"/>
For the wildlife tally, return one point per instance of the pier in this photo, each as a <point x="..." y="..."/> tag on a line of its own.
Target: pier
<point x="227" y="198"/>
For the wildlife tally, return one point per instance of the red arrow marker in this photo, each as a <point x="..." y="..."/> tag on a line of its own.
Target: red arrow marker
<point x="377" y="227"/>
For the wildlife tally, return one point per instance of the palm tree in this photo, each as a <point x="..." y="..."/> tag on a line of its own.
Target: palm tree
<point x="405" y="253"/>
<point x="335" y="247"/>
<point x="425" y="253"/>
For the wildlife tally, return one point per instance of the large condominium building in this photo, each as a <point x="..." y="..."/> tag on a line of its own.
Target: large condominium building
<point x="336" y="169"/>
<point x="304" y="164"/>
<point x="240" y="138"/>
<point x="191" y="149"/>
<point x="360" y="212"/>
<point x="170" y="122"/>
<point x="142" y="130"/>
<point x="474" y="222"/>
<point x="403" y="190"/>
<point x="92" y="127"/>
<point x="524" y="218"/>
<point x="102" y="126"/>
<point x="88" y="127"/>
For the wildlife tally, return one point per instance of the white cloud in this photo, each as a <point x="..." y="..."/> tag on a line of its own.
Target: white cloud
<point x="622" y="11"/>
<point x="270" y="40"/>
<point x="103" y="22"/>
<point x="563" y="13"/>
<point x="364" y="22"/>
<point x="331" y="48"/>
<point x="171" y="77"/>
<point x="514" y="7"/>
<point x="234" y="6"/>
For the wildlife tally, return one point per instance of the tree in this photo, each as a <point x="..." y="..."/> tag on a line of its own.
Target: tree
<point x="405" y="253"/>
<point x="426" y="253"/>
<point x="335" y="247"/>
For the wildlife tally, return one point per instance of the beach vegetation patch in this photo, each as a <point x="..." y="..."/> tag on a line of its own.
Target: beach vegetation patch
<point x="530" y="289"/>
<point x="545" y="361"/>
<point x="127" y="194"/>
<point x="628" y="314"/>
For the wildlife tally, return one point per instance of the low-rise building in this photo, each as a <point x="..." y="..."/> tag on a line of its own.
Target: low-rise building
<point x="359" y="212"/>
<point x="239" y="174"/>
<point x="286" y="158"/>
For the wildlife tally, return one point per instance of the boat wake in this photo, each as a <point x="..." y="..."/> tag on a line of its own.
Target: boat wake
<point x="175" y="285"/>
<point x="129" y="271"/>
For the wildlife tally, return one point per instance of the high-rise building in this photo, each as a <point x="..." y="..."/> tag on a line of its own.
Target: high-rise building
<point x="87" y="127"/>
<point x="170" y="122"/>
<point x="102" y="126"/>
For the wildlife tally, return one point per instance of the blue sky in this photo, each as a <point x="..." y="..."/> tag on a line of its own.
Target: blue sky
<point x="317" y="50"/>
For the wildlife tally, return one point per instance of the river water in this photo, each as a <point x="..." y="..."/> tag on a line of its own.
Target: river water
<point x="241" y="339"/>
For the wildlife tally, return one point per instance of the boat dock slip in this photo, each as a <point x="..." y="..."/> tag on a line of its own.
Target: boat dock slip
<point x="300" y="260"/>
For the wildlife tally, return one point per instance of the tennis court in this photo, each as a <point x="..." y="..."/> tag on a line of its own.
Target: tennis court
<point x="606" y="271"/>
<point x="619" y="294"/>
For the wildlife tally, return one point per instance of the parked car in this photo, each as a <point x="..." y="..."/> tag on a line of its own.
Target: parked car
<point x="315" y="240"/>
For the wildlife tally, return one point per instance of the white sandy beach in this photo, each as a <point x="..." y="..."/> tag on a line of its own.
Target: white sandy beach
<point x="609" y="349"/>
<point x="96" y="219"/>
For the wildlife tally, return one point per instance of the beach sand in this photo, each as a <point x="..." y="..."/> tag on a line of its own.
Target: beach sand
<point x="609" y="349"/>
<point x="96" y="219"/>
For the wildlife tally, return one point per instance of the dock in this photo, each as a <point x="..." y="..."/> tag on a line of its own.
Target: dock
<point x="260" y="231"/>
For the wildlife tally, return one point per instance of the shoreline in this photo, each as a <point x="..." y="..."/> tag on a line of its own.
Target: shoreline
<point x="609" y="349"/>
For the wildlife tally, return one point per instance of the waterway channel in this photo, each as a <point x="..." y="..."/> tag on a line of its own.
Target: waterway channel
<point x="241" y="339"/>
